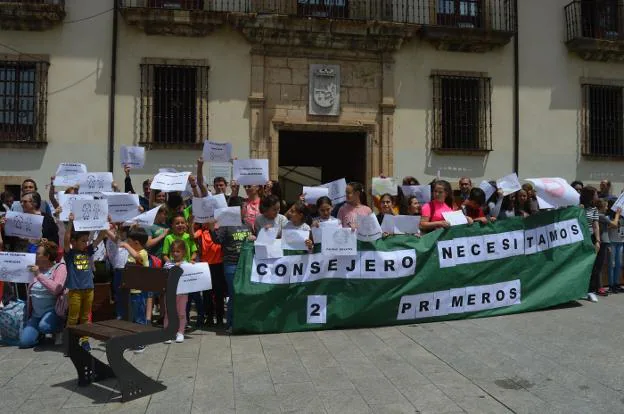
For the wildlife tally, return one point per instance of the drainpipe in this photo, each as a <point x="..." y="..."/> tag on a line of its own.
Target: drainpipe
<point x="112" y="93"/>
<point x="516" y="97"/>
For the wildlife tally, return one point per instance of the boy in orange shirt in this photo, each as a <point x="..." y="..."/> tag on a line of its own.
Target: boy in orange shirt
<point x="210" y="252"/>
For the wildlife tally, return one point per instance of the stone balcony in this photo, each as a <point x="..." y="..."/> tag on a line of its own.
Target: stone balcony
<point x="35" y="15"/>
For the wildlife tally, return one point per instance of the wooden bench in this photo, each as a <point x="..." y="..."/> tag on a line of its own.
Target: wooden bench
<point x="120" y="335"/>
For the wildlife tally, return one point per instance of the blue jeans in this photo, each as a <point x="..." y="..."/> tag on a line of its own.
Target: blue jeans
<point x="199" y="306"/>
<point x="137" y="301"/>
<point x="230" y="271"/>
<point x="49" y="323"/>
<point x="615" y="265"/>
<point x="119" y="310"/>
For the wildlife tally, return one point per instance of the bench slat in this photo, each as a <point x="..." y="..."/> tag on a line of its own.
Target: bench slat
<point x="127" y="326"/>
<point x="97" y="331"/>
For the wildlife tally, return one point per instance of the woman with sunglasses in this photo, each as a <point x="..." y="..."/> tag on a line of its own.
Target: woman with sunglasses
<point x="251" y="206"/>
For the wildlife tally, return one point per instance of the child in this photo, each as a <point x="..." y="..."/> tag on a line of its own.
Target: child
<point x="231" y="239"/>
<point x="211" y="253"/>
<point x="270" y="217"/>
<point x="155" y="241"/>
<point x="324" y="209"/>
<point x="117" y="257"/>
<point x="79" y="282"/>
<point x="297" y="214"/>
<point x="178" y="253"/>
<point x="413" y="206"/>
<point x="137" y="239"/>
<point x="473" y="206"/>
<point x="386" y="204"/>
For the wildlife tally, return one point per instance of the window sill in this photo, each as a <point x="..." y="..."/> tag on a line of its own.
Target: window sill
<point x="456" y="151"/>
<point x="172" y="145"/>
<point x="23" y="144"/>
<point x="594" y="157"/>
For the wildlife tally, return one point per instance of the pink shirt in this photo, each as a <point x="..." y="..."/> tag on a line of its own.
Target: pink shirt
<point x="251" y="209"/>
<point x="438" y="208"/>
<point x="348" y="214"/>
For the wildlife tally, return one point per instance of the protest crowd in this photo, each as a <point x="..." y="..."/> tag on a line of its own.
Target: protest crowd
<point x="208" y="223"/>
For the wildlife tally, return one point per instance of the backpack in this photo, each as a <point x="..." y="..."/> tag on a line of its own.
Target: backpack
<point x="12" y="322"/>
<point x="155" y="262"/>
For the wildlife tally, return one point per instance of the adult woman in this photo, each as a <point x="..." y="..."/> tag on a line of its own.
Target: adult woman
<point x="431" y="217"/>
<point x="251" y="206"/>
<point x="31" y="204"/>
<point x="43" y="295"/>
<point x="589" y="197"/>
<point x="533" y="206"/>
<point x="353" y="207"/>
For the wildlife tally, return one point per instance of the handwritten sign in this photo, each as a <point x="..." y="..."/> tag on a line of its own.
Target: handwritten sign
<point x="337" y="241"/>
<point x="251" y="172"/>
<point x="195" y="278"/>
<point x="204" y="208"/>
<point x="133" y="157"/>
<point x="97" y="182"/>
<point x="14" y="267"/>
<point x="122" y="206"/>
<point x="65" y="201"/>
<point x="68" y="174"/>
<point x="509" y="184"/>
<point x="90" y="215"/>
<point x="170" y="181"/>
<point x="23" y="225"/>
<point x="217" y="151"/>
<point x="337" y="190"/>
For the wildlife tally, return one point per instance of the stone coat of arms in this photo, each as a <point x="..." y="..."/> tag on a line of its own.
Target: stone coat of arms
<point x="324" y="90"/>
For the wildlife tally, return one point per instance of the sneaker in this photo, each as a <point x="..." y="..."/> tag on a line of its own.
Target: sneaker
<point x="179" y="338"/>
<point x="592" y="297"/>
<point x="168" y="341"/>
<point x="86" y="346"/>
<point x="139" y="349"/>
<point x="229" y="331"/>
<point x="602" y="292"/>
<point x="58" y="339"/>
<point x="614" y="290"/>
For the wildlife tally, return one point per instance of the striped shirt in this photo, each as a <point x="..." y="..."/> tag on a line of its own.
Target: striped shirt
<point x="591" y="214"/>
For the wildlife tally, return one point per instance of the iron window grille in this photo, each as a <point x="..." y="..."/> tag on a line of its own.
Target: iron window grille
<point x="603" y="120"/>
<point x="23" y="101"/>
<point x="462" y="113"/>
<point x="174" y="104"/>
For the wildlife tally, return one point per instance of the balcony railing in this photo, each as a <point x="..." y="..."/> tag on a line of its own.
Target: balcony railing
<point x="31" y="14"/>
<point x="595" y="20"/>
<point x="486" y="15"/>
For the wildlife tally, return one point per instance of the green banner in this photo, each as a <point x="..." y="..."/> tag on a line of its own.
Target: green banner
<point x="510" y="266"/>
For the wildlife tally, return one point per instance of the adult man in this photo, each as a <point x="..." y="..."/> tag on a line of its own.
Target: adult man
<point x="220" y="186"/>
<point x="465" y="185"/>
<point x="605" y="191"/>
<point x="143" y="199"/>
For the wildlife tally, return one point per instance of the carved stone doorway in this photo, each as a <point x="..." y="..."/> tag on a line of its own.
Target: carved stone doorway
<point x="310" y="158"/>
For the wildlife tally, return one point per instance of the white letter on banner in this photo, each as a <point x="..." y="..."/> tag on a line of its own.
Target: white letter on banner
<point x="530" y="242"/>
<point x="424" y="305"/>
<point x="407" y="308"/>
<point x="406" y="262"/>
<point x="457" y="300"/>
<point x="541" y="233"/>
<point x="446" y="253"/>
<point x="442" y="302"/>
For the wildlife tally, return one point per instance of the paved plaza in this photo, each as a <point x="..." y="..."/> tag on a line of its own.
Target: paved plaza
<point x="565" y="360"/>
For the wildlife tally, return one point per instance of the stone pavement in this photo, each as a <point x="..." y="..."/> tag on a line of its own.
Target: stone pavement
<point x="566" y="360"/>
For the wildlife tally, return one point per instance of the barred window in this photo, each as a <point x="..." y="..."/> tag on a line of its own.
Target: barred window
<point x="603" y="120"/>
<point x="461" y="112"/>
<point x="174" y="104"/>
<point x="23" y="101"/>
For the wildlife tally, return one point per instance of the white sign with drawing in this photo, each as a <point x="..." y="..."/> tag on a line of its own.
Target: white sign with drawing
<point x="65" y="201"/>
<point x="195" y="278"/>
<point x="204" y="208"/>
<point x="229" y="216"/>
<point x="145" y="220"/>
<point x="368" y="228"/>
<point x="14" y="267"/>
<point x="337" y="190"/>
<point x="95" y="182"/>
<point x="421" y="192"/>
<point x="294" y="239"/>
<point x="338" y="241"/>
<point x="509" y="184"/>
<point x="23" y="225"/>
<point x="68" y="174"/>
<point x="311" y="194"/>
<point x="217" y="151"/>
<point x="317" y="232"/>
<point x="90" y="215"/>
<point x="251" y="172"/>
<point x="122" y="206"/>
<point x="133" y="157"/>
<point x="383" y="186"/>
<point x="170" y="181"/>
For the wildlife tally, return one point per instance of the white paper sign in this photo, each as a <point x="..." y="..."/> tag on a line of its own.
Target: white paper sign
<point x="23" y="225"/>
<point x="90" y="215"/>
<point x="455" y="218"/>
<point x="338" y="241"/>
<point x="294" y="239"/>
<point x="619" y="203"/>
<point x="145" y="220"/>
<point x="554" y="193"/>
<point x="251" y="172"/>
<point x="14" y="267"/>
<point x="488" y="189"/>
<point x="219" y="170"/>
<point x="133" y="157"/>
<point x="68" y="174"/>
<point x="17" y="207"/>
<point x="400" y="224"/>
<point x="368" y="228"/>
<point x="170" y="181"/>
<point x="384" y="186"/>
<point x="217" y="151"/>
<point x="195" y="278"/>
<point x="204" y="208"/>
<point x="337" y="190"/>
<point x="65" y="201"/>
<point x="312" y="194"/>
<point x="317" y="232"/>
<point x="96" y="182"/>
<point x="317" y="309"/>
<point x="272" y="250"/>
<point x="229" y="216"/>
<point x="421" y="192"/>
<point x="509" y="184"/>
<point x="122" y="206"/>
<point x="267" y="235"/>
